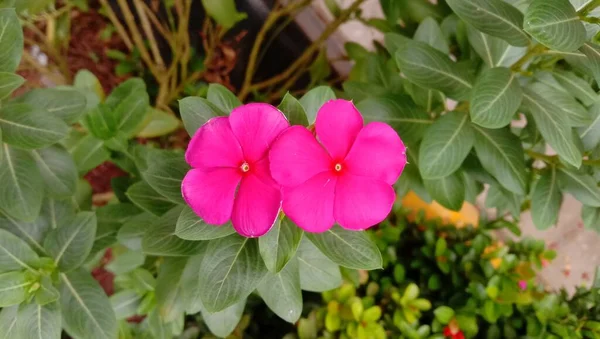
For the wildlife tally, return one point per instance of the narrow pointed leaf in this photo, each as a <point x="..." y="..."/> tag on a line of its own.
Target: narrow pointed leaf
<point x="582" y="186"/>
<point x="281" y="292"/>
<point x="448" y="191"/>
<point x="591" y="60"/>
<point x="39" y="322"/>
<point x="590" y="134"/>
<point x="57" y="169"/>
<point x="20" y="194"/>
<point x="555" y="24"/>
<point x="293" y="110"/>
<point x="576" y="113"/>
<point x="495" y="98"/>
<point x="577" y="86"/>
<point x="70" y="244"/>
<point x="317" y="272"/>
<point x="545" y="200"/>
<point x="279" y="245"/>
<point x="27" y="126"/>
<point x="495" y="52"/>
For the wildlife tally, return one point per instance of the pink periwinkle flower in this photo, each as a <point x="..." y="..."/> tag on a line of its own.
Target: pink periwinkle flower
<point x="345" y="177"/>
<point x="522" y="285"/>
<point x="230" y="178"/>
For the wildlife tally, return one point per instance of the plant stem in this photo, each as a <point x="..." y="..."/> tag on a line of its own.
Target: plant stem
<point x="149" y="34"/>
<point x="590" y="6"/>
<point x="532" y="52"/>
<point x="550" y="159"/>
<point x="118" y="26"/>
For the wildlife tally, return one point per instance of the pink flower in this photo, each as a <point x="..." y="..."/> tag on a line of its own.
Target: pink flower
<point x="230" y="179"/>
<point x="346" y="178"/>
<point x="522" y="285"/>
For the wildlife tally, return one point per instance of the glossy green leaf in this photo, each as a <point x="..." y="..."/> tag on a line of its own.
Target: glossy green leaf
<point x="70" y="244"/>
<point x="281" y="292"/>
<point x="129" y="103"/>
<point x="169" y="289"/>
<point x="430" y="68"/>
<point x="66" y="104"/>
<point x="317" y="272"/>
<point x="13" y="288"/>
<point x="232" y="268"/>
<point x="224" y="322"/>
<point x="158" y="123"/>
<point x="445" y="145"/>
<point x="85" y="308"/>
<point x="293" y="110"/>
<point x="555" y="24"/>
<point x="39" y="322"/>
<point x="8" y="83"/>
<point x="495" y="98"/>
<point x="501" y="154"/>
<point x="590" y="134"/>
<point x="582" y="186"/>
<point x="146" y="198"/>
<point x="11" y="40"/>
<point x="314" y="99"/>
<point x="191" y="227"/>
<point x="20" y="193"/>
<point x="429" y="32"/>
<point x="279" y="245"/>
<point x="101" y="122"/>
<point x="578" y="87"/>
<point x="223" y="98"/>
<point x="554" y="127"/>
<point x="494" y="17"/>
<point x="545" y="200"/>
<point x="576" y="113"/>
<point x="495" y="52"/>
<point x="348" y="248"/>
<point x="57" y="169"/>
<point x="88" y="152"/>
<point x="448" y="191"/>
<point x="8" y="322"/>
<point x="160" y="238"/>
<point x="125" y="303"/>
<point x="196" y="111"/>
<point x="165" y="174"/>
<point x="224" y="12"/>
<point x="27" y="126"/>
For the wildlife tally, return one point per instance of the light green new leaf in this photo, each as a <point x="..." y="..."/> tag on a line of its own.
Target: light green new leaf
<point x="146" y="198"/>
<point x="66" y="104"/>
<point x="314" y="99"/>
<point x="554" y="127"/>
<point x="495" y="98"/>
<point x="8" y="322"/>
<point x="70" y="244"/>
<point x="495" y="52"/>
<point x="89" y="85"/>
<point x="281" y="292"/>
<point x="191" y="227"/>
<point x="220" y="96"/>
<point x="348" y="248"/>
<point x="317" y="272"/>
<point x="129" y="103"/>
<point x="88" y="152"/>
<point x="445" y="145"/>
<point x="8" y="83"/>
<point x="578" y="87"/>
<point x="13" y="288"/>
<point x="169" y="289"/>
<point x="576" y="113"/>
<point x="449" y="191"/>
<point x="11" y="40"/>
<point x="555" y="24"/>
<point x="160" y="238"/>
<point x="429" y="32"/>
<point x="293" y="110"/>
<point x="39" y="322"/>
<point x="125" y="303"/>
<point x="494" y="17"/>
<point x="85" y="308"/>
<point x="545" y="200"/>
<point x="196" y="111"/>
<point x="582" y="186"/>
<point x="47" y="293"/>
<point x="27" y="126"/>
<point x="224" y="322"/>
<point x="101" y="122"/>
<point x="430" y="68"/>
<point x="501" y="154"/>
<point x="223" y="12"/>
<point x="166" y="173"/>
<point x="20" y="193"/>
<point x="590" y="134"/>
<point x="232" y="268"/>
<point x="591" y="218"/>
<point x="57" y="169"/>
<point x="279" y="245"/>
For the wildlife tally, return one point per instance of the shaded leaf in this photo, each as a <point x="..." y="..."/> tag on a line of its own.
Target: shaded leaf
<point x="27" y="126"/>
<point x="70" y="244"/>
<point x="449" y="191"/>
<point x="293" y="110"/>
<point x="66" y="104"/>
<point x="160" y="238"/>
<point x="8" y="83"/>
<point x="582" y="186"/>
<point x="317" y="272"/>
<point x="57" y="169"/>
<point x="222" y="97"/>
<point x="146" y="198"/>
<point x="129" y="103"/>
<point x="281" y="292"/>
<point x="196" y="111"/>
<point x="545" y="200"/>
<point x="20" y="193"/>
<point x="191" y="227"/>
<point x="495" y="52"/>
<point x="279" y="245"/>
<point x="495" y="98"/>
<point x="555" y="24"/>
<point x="429" y="32"/>
<point x="40" y="322"/>
<point x="11" y="40"/>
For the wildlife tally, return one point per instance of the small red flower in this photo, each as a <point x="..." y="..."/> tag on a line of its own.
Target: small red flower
<point x="453" y="332"/>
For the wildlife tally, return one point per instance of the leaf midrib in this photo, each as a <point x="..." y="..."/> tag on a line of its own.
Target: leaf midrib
<point x="83" y="305"/>
<point x="222" y="282"/>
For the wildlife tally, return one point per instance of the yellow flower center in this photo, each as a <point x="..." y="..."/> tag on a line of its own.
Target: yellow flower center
<point x="245" y="167"/>
<point x="338" y="167"/>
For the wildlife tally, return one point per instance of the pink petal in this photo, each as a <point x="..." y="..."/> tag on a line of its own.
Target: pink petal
<point x="296" y="156"/>
<point x="361" y="202"/>
<point x="310" y="205"/>
<point x="256" y="126"/>
<point x="256" y="207"/>
<point x="377" y="152"/>
<point x="214" y="145"/>
<point x="262" y="171"/>
<point x="211" y="193"/>
<point x="337" y="125"/>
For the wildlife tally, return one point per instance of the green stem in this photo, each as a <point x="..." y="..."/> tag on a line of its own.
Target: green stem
<point x="550" y="159"/>
<point x="532" y="52"/>
<point x="590" y="6"/>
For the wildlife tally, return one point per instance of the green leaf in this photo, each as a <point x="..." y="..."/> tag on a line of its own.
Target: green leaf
<point x="590" y="134"/>
<point x="293" y="110"/>
<point x="131" y="233"/>
<point x="20" y="193"/>
<point x="317" y="272"/>
<point x="577" y="86"/>
<point x="191" y="287"/>
<point x="32" y="232"/>
<point x="443" y="314"/>
<point x="223" y="12"/>
<point x="279" y="245"/>
<point x="70" y="244"/>
<point x="503" y="200"/>
<point x="591" y="59"/>
<point x="445" y="145"/>
<point x="394" y="42"/>
<point x="13" y="288"/>
<point x="220" y="96"/>
<point x="232" y="268"/>
<point x="494" y="17"/>
<point x="554" y="127"/>
<point x="191" y="227"/>
<point x="125" y="303"/>
<point x="430" y="68"/>
<point x="555" y="24"/>
<point x="169" y="289"/>
<point x="129" y="103"/>
<point x="9" y="82"/>
<point x="495" y="52"/>
<point x="582" y="186"/>
<point x="224" y="322"/>
<point x="449" y="191"/>
<point x="501" y="154"/>
<point x="8" y="322"/>
<point x="495" y="98"/>
<point x="160" y="238"/>
<point x="66" y="104"/>
<point x="86" y="310"/>
<point x="146" y="198"/>
<point x="40" y="322"/>
<point x="348" y="248"/>
<point x="166" y="173"/>
<point x="101" y="122"/>
<point x="545" y="200"/>
<point x="57" y="169"/>
<point x="430" y="33"/>
<point x="47" y="293"/>
<point x="590" y="216"/>
<point x="576" y="113"/>
<point x="11" y="40"/>
<point x="428" y="99"/>
<point x="158" y="123"/>
<point x="281" y="292"/>
<point x="314" y="99"/>
<point x="88" y="152"/>
<point x="126" y="262"/>
<point x="89" y="85"/>
<point x="27" y="126"/>
<point x="195" y="112"/>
